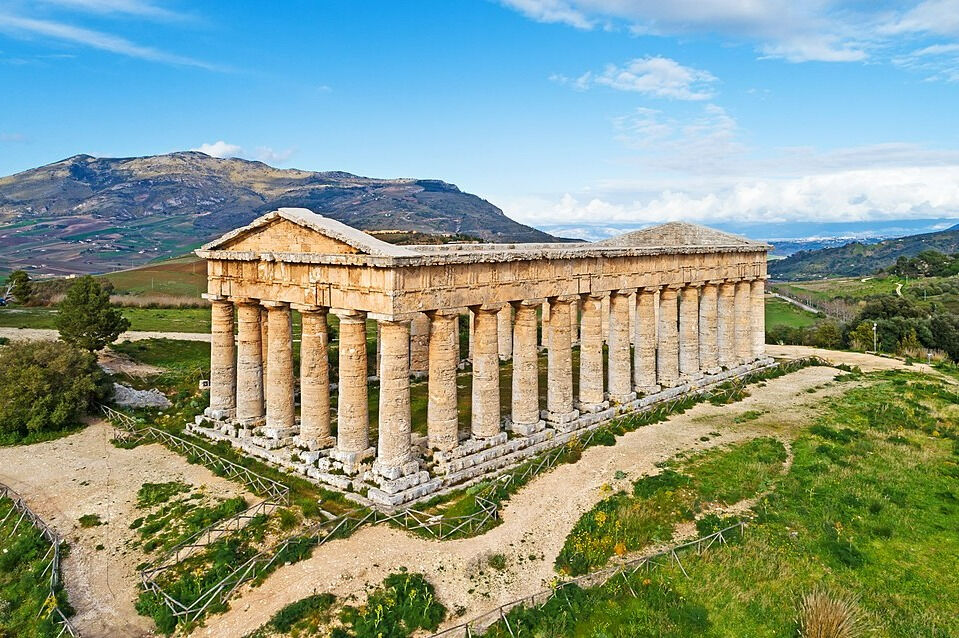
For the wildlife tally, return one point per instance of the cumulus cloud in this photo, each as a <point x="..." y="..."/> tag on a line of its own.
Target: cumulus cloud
<point x="219" y="149"/>
<point x="265" y="154"/>
<point x="655" y="76"/>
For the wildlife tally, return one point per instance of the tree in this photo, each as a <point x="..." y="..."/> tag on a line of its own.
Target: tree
<point x="47" y="386"/>
<point x="861" y="337"/>
<point x="87" y="319"/>
<point x="945" y="332"/>
<point x="909" y="344"/>
<point x="826" y="334"/>
<point x="20" y="286"/>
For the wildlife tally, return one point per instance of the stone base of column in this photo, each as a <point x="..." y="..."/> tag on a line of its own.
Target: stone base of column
<point x="555" y="419"/>
<point x="715" y="370"/>
<point x="525" y="429"/>
<point x="394" y="470"/>
<point x="647" y="390"/>
<point x="219" y="415"/>
<point x="620" y="399"/>
<point x="313" y="445"/>
<point x="278" y="433"/>
<point x="590" y="408"/>
<point x="352" y="461"/>
<point x="252" y="422"/>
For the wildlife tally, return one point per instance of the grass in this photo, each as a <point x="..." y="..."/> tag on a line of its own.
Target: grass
<point x="783" y="313"/>
<point x="141" y="319"/>
<point x="860" y="515"/>
<point x="855" y="288"/>
<point x="90" y="520"/>
<point x="24" y="580"/>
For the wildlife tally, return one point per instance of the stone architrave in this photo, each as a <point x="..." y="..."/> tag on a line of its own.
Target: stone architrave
<point x="485" y="396"/>
<point x="442" y="420"/>
<point x="667" y="354"/>
<point x="725" y="337"/>
<point x="620" y="365"/>
<point x="524" y="413"/>
<point x="758" y="316"/>
<point x="709" y="329"/>
<point x="222" y="361"/>
<point x="504" y="332"/>
<point x="742" y="309"/>
<point x="420" y="345"/>
<point x="280" y="406"/>
<point x="395" y="427"/>
<point x="689" y="332"/>
<point x="315" y="430"/>
<point x="559" y="384"/>
<point x="645" y="331"/>
<point x="249" y="365"/>
<point x="352" y="414"/>
<point x="591" y="394"/>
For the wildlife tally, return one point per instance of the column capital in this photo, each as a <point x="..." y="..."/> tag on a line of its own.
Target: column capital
<point x="274" y="304"/>
<point x="623" y="292"/>
<point x="443" y="312"/>
<point x="246" y="301"/>
<point x="650" y="289"/>
<point x="714" y="282"/>
<point x="389" y="320"/>
<point x="488" y="307"/>
<point x="210" y="297"/>
<point x="598" y="295"/>
<point x="346" y="314"/>
<point x="302" y="307"/>
<point x="528" y="303"/>
<point x="563" y="299"/>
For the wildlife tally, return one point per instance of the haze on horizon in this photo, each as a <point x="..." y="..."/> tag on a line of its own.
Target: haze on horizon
<point x="564" y="113"/>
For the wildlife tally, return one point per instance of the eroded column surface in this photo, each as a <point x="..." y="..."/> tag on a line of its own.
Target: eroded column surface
<point x="265" y="345"/>
<point x="559" y="390"/>
<point x="394" y="432"/>
<point x="574" y="319"/>
<point x="420" y="345"/>
<point x="743" y="325"/>
<point x="591" y="395"/>
<point x="315" y="432"/>
<point x="249" y="365"/>
<point x="605" y="319"/>
<point x="644" y="364"/>
<point x="726" y="338"/>
<point x="544" y="325"/>
<point x="633" y="316"/>
<point x="620" y="364"/>
<point x="280" y="406"/>
<point x="689" y="332"/>
<point x="524" y="413"/>
<point x="504" y="332"/>
<point x="222" y="361"/>
<point x="708" y="328"/>
<point x="758" y="316"/>
<point x="441" y="415"/>
<point x="667" y="353"/>
<point x="352" y="414"/>
<point x="485" y="409"/>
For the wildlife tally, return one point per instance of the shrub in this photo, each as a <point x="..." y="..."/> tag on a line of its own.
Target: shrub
<point x="400" y="606"/>
<point x="822" y="615"/>
<point x="46" y="387"/>
<point x="90" y="520"/>
<point x="87" y="319"/>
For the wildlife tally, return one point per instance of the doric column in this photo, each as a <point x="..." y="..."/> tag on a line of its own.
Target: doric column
<point x="689" y="332"/>
<point x="633" y="317"/>
<point x="645" y="331"/>
<point x="758" y="316"/>
<point x="249" y="364"/>
<point x="420" y="345"/>
<point x="315" y="432"/>
<point x="485" y="405"/>
<point x="442" y="420"/>
<point x="524" y="415"/>
<point x="280" y="400"/>
<point x="394" y="444"/>
<point x="591" y="395"/>
<point x="743" y="325"/>
<point x="222" y="361"/>
<point x="708" y="329"/>
<point x="265" y="345"/>
<point x="605" y="319"/>
<point x="725" y="330"/>
<point x="667" y="353"/>
<point x="352" y="413"/>
<point x="620" y="386"/>
<point x="574" y="321"/>
<point x="559" y="390"/>
<point x="544" y="325"/>
<point x="504" y="332"/>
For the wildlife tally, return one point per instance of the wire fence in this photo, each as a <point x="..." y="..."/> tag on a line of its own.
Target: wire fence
<point x="54" y="582"/>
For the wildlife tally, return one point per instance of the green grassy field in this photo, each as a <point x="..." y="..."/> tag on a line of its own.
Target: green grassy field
<point x="779" y="313"/>
<point x="848" y="287"/>
<point x="182" y="276"/>
<point x="143" y="319"/>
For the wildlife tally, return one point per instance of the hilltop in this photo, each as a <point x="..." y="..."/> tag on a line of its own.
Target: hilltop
<point x="857" y="259"/>
<point x="88" y="214"/>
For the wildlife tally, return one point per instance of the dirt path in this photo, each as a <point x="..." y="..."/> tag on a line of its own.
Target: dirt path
<point x="85" y="474"/>
<point x="866" y="362"/>
<point x="46" y="334"/>
<point x="536" y="521"/>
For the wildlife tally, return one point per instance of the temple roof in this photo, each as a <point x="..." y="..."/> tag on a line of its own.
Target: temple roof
<point x="678" y="234"/>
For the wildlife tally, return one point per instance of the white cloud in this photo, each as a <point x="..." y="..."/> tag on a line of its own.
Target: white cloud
<point x="141" y="8"/>
<point x="930" y="16"/>
<point x="270" y="156"/>
<point x="220" y="149"/>
<point x="17" y="138"/>
<point x="265" y="154"/>
<point x="656" y="76"/>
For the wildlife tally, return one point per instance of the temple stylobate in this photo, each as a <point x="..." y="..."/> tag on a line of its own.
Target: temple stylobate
<point x="625" y="323"/>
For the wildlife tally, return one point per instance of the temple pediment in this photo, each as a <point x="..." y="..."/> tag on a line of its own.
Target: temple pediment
<point x="299" y="230"/>
<point x="678" y="234"/>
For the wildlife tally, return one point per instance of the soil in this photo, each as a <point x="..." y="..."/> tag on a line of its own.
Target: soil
<point x="48" y="334"/>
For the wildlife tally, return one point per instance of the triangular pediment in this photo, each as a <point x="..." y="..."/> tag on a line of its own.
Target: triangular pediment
<point x="678" y="234"/>
<point x="299" y="230"/>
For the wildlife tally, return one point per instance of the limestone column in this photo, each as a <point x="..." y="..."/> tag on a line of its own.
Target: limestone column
<point x="265" y="344"/>
<point x="485" y="401"/>
<point x="591" y="395"/>
<point x="442" y="419"/>
<point x="544" y="325"/>
<point x="559" y="390"/>
<point x="352" y="414"/>
<point x="708" y="329"/>
<point x="620" y="367"/>
<point x="222" y="361"/>
<point x="395" y="427"/>
<point x="743" y="325"/>
<point x="725" y="328"/>
<point x="758" y="316"/>
<point x="315" y="430"/>
<point x="644" y="365"/>
<point x="605" y="313"/>
<point x="280" y="406"/>
<point x="689" y="332"/>
<point x="667" y="352"/>
<point x="633" y="317"/>
<point x="420" y="345"/>
<point x="249" y="364"/>
<point x="574" y="321"/>
<point x="504" y="332"/>
<point x="524" y="413"/>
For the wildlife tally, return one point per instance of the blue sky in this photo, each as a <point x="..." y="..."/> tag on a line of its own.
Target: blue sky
<point x="571" y="112"/>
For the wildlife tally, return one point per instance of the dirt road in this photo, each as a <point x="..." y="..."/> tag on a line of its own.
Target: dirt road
<point x="46" y="334"/>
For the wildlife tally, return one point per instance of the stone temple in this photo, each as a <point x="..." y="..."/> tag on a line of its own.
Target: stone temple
<point x="655" y="313"/>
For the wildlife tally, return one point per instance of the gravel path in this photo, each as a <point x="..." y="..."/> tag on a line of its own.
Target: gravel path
<point x="47" y="334"/>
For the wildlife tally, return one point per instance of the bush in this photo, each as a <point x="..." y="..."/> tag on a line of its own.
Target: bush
<point x="400" y="606"/>
<point x="87" y="319"/>
<point x="47" y="387"/>
<point x="825" y="616"/>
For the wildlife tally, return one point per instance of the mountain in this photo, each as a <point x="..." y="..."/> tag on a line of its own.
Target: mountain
<point x="89" y="214"/>
<point x="857" y="259"/>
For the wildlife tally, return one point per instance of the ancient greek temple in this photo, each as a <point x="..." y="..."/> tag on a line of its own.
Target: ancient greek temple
<point x="625" y="323"/>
